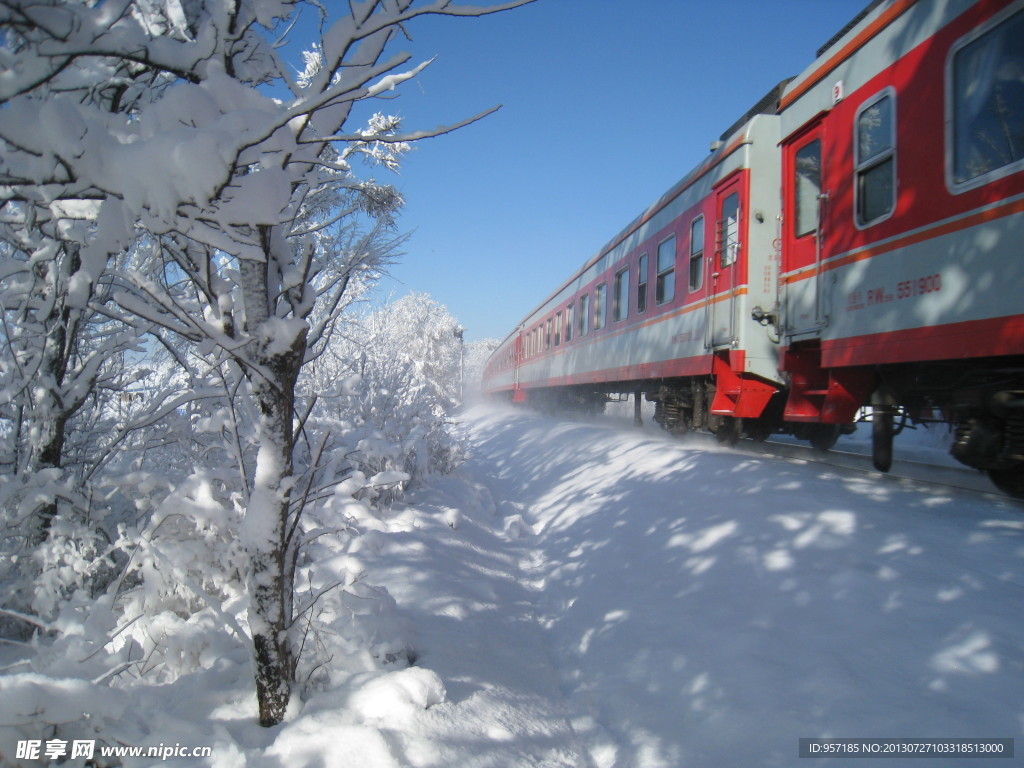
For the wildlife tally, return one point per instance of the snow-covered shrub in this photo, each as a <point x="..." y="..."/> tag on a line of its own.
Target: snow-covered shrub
<point x="344" y="625"/>
<point x="390" y="384"/>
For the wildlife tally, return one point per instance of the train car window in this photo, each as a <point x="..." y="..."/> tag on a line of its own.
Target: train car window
<point x="558" y="328"/>
<point x="876" y="159"/>
<point x="696" y="253"/>
<point x="568" y="323"/>
<point x="730" y="234"/>
<point x="547" y="334"/>
<point x="641" y="284"/>
<point x="987" y="82"/>
<point x="584" y="314"/>
<point x="600" y="306"/>
<point x="665" y="286"/>
<point x="807" y="170"/>
<point x="621" y="300"/>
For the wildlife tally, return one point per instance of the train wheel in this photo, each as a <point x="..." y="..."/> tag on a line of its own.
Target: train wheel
<point x="729" y="431"/>
<point x="883" y="413"/>
<point x="758" y="430"/>
<point x="824" y="436"/>
<point x="881" y="437"/>
<point x="1010" y="480"/>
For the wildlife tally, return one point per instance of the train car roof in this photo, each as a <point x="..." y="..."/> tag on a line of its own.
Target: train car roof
<point x="875" y="17"/>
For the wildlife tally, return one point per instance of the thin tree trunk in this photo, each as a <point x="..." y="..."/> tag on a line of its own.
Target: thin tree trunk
<point x="270" y="582"/>
<point x="49" y="415"/>
<point x="265" y="530"/>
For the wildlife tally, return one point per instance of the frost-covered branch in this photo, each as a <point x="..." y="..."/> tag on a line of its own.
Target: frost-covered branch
<point x="407" y="138"/>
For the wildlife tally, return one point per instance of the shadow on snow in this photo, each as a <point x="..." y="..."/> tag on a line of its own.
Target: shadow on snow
<point x="703" y="605"/>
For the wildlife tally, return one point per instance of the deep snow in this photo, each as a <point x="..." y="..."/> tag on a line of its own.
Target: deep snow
<point x="598" y="596"/>
<point x="589" y="595"/>
<point x="703" y="608"/>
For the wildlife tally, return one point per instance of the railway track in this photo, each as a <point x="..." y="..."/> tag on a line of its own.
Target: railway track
<point x="962" y="478"/>
<point x="946" y="475"/>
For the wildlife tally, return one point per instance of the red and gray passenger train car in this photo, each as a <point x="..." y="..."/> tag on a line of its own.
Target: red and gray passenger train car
<point x="856" y="240"/>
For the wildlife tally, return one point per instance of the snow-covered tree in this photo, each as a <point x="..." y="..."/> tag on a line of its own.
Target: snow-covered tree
<point x="160" y="116"/>
<point x="418" y="330"/>
<point x="477" y="355"/>
<point x="62" y="369"/>
<point x="62" y="361"/>
<point x="394" y="378"/>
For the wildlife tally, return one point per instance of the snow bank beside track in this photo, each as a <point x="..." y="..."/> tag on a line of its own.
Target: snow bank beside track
<point x="712" y="609"/>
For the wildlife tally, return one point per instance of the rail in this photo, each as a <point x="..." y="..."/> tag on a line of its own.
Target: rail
<point x="962" y="478"/>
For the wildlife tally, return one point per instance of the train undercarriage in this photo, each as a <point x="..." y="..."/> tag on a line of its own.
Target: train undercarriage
<point x="687" y="405"/>
<point x="984" y="407"/>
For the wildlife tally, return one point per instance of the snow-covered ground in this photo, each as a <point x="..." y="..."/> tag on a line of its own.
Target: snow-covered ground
<point x="583" y="594"/>
<point x="592" y="596"/>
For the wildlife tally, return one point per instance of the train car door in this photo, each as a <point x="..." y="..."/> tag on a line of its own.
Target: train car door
<point x="722" y="298"/>
<point x="518" y="396"/>
<point x="804" y="202"/>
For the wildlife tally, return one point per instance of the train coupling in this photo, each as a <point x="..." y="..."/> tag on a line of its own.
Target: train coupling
<point x="760" y="316"/>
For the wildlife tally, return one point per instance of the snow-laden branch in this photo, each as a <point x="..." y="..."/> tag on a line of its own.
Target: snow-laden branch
<point x="412" y="136"/>
<point x="35" y="621"/>
<point x="342" y="37"/>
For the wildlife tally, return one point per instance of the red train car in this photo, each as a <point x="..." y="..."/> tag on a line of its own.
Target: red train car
<point x="871" y="256"/>
<point x="903" y="214"/>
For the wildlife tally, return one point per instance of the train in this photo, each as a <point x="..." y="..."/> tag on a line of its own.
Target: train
<point x="851" y="249"/>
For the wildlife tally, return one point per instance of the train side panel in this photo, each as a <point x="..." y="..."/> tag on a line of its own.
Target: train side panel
<point x="922" y="255"/>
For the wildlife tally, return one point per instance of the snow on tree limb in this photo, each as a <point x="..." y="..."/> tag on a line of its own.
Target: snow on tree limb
<point x="411" y="136"/>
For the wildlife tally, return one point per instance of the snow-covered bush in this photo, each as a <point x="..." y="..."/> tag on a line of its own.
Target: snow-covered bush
<point x="390" y="384"/>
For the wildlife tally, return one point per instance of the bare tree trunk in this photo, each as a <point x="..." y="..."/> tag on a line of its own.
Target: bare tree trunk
<point x="270" y="578"/>
<point x="49" y="414"/>
<point x="275" y="362"/>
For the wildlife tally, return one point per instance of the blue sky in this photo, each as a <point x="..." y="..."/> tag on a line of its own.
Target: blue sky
<point x="606" y="103"/>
